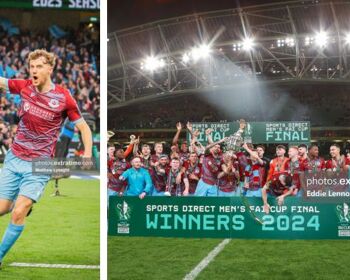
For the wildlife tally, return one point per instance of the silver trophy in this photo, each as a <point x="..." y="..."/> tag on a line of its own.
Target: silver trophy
<point x="235" y="141"/>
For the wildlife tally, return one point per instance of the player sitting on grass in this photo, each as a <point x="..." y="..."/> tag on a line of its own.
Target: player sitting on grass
<point x="43" y="109"/>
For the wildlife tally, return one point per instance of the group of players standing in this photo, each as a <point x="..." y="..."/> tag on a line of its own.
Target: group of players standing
<point x="195" y="170"/>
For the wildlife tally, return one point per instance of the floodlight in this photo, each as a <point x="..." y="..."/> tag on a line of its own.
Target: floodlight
<point x="321" y="39"/>
<point x="247" y="44"/>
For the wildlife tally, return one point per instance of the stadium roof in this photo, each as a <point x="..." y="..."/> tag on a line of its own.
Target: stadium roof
<point x="290" y="40"/>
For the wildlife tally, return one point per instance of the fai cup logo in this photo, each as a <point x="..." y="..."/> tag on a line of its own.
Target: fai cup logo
<point x="343" y="213"/>
<point x="123" y="212"/>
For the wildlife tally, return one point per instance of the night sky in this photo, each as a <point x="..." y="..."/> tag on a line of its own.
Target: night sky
<point x="127" y="13"/>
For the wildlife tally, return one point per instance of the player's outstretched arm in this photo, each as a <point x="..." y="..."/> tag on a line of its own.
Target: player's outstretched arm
<point x="3" y="84"/>
<point x="86" y="137"/>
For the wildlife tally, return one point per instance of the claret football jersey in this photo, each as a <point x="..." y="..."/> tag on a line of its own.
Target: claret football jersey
<point x="41" y="116"/>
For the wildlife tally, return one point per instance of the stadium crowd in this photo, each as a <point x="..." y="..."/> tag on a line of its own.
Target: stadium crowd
<point x="77" y="64"/>
<point x="216" y="169"/>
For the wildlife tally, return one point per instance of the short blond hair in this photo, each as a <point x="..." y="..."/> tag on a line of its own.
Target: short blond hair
<point x="50" y="57"/>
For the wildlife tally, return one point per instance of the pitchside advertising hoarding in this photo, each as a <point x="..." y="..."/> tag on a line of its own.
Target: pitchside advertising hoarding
<point x="198" y="217"/>
<point x="321" y="213"/>
<point x="256" y="132"/>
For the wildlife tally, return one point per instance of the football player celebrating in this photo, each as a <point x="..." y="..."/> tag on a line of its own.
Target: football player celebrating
<point x="193" y="170"/>
<point x="314" y="163"/>
<point x="183" y="153"/>
<point x="254" y="174"/>
<point x="43" y="109"/>
<point x="177" y="182"/>
<point x="116" y="167"/>
<point x="159" y="175"/>
<point x="337" y="163"/>
<point x="158" y="148"/>
<point x="294" y="167"/>
<point x="228" y="176"/>
<point x="278" y="164"/>
<point x="302" y="152"/>
<point x="280" y="186"/>
<point x="207" y="185"/>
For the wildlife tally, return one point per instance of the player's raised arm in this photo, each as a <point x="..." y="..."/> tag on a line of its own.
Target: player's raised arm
<point x="86" y="136"/>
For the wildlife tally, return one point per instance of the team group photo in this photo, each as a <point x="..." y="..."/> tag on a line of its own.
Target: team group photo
<point x="228" y="137"/>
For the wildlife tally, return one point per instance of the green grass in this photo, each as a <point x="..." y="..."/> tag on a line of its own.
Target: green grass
<point x="170" y="258"/>
<point x="62" y="230"/>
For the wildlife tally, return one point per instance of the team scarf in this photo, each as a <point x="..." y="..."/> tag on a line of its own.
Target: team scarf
<point x="191" y="168"/>
<point x="172" y="180"/>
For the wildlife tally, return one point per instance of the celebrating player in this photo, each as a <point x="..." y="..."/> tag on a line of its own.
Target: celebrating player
<point x="254" y="174"/>
<point x="280" y="186"/>
<point x="43" y="109"/>
<point x="177" y="182"/>
<point x="228" y="176"/>
<point x="158" y="148"/>
<point x="314" y="163"/>
<point x="159" y="175"/>
<point x="207" y="185"/>
<point x="277" y="165"/>
<point x="116" y="167"/>
<point x="193" y="170"/>
<point x="337" y="163"/>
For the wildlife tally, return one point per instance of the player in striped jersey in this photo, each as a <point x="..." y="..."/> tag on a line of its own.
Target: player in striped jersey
<point x="44" y="107"/>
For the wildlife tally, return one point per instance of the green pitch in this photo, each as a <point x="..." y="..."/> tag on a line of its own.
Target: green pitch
<point x="170" y="258"/>
<point x="60" y="230"/>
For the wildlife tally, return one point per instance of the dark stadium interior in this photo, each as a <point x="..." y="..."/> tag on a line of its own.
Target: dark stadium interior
<point x="288" y="75"/>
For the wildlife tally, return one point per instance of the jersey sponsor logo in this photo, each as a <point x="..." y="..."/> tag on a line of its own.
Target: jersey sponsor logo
<point x="54" y="103"/>
<point x="37" y="111"/>
<point x="26" y="106"/>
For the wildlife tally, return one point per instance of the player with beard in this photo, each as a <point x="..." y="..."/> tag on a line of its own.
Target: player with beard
<point x="302" y="151"/>
<point x="193" y="171"/>
<point x="277" y="165"/>
<point x="158" y="149"/>
<point x="337" y="163"/>
<point x="228" y="177"/>
<point x="159" y="175"/>
<point x="314" y="163"/>
<point x="177" y="183"/>
<point x="280" y="186"/>
<point x="207" y="185"/>
<point x="116" y="167"/>
<point x="294" y="168"/>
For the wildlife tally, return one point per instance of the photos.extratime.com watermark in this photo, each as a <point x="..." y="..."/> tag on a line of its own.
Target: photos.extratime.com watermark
<point x="326" y="186"/>
<point x="62" y="167"/>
